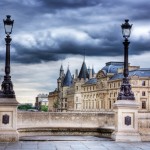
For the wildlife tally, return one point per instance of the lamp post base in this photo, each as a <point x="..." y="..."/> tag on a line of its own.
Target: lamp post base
<point x="125" y="91"/>
<point x="7" y="88"/>
<point x="8" y="124"/>
<point x="126" y="121"/>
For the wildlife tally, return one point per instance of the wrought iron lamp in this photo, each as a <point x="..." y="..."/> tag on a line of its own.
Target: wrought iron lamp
<point x="125" y="90"/>
<point x="7" y="86"/>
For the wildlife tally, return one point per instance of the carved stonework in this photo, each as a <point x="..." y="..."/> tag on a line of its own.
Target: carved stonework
<point x="5" y="119"/>
<point x="101" y="74"/>
<point x="127" y="120"/>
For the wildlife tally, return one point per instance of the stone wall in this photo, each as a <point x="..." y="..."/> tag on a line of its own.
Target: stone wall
<point x="59" y="119"/>
<point x="144" y="125"/>
<point x="48" y="123"/>
<point x="73" y="123"/>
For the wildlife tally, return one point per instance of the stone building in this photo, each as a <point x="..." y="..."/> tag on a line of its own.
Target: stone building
<point x="41" y="99"/>
<point x="88" y="91"/>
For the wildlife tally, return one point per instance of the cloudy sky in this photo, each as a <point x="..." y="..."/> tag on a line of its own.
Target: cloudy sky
<point x="48" y="33"/>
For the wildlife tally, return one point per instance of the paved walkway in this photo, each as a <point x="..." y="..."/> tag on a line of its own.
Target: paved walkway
<point x="72" y="143"/>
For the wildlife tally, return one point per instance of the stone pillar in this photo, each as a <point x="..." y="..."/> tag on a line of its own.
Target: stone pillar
<point x="8" y="120"/>
<point x="126" y="121"/>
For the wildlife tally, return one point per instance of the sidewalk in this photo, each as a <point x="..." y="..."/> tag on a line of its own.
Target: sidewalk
<point x="72" y="143"/>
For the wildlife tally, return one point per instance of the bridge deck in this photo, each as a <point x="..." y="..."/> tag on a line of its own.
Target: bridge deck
<point x="74" y="143"/>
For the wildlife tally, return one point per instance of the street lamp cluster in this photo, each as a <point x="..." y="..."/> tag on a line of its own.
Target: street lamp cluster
<point x="7" y="86"/>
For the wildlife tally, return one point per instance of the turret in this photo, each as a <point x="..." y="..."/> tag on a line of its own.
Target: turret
<point x="61" y="78"/>
<point x="68" y="80"/>
<point x="83" y="72"/>
<point x="61" y="74"/>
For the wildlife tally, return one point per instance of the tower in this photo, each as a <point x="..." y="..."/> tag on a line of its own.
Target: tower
<point x="61" y="78"/>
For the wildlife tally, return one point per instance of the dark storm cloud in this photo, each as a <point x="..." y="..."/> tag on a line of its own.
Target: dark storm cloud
<point x="70" y="3"/>
<point x="75" y="25"/>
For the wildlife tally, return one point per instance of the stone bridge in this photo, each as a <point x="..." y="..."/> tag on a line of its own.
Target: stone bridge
<point x="75" y="123"/>
<point x="70" y="123"/>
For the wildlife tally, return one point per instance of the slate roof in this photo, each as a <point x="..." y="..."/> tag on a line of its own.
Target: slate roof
<point x="83" y="72"/>
<point x="142" y="72"/>
<point x="112" y="67"/>
<point x="91" y="81"/>
<point x="68" y="79"/>
<point x="61" y="68"/>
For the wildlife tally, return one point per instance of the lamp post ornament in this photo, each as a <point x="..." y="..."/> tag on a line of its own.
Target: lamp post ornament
<point x="7" y="86"/>
<point x="125" y="89"/>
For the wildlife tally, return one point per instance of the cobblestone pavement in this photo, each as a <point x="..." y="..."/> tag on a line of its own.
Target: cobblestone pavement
<point x="72" y="143"/>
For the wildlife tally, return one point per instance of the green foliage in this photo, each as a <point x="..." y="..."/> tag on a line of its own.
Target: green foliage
<point x="44" y="108"/>
<point x="56" y="103"/>
<point x="24" y="107"/>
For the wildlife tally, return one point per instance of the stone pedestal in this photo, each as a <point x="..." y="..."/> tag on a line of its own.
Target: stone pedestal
<point x="8" y="120"/>
<point x="126" y="121"/>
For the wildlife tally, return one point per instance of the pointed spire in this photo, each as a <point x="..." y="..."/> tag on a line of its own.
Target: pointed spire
<point x="93" y="72"/>
<point x="68" y="79"/>
<point x="83" y="72"/>
<point x="61" y="67"/>
<point x="89" y="70"/>
<point x="61" y="73"/>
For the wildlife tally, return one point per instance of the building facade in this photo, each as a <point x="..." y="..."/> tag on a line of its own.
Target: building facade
<point x="41" y="100"/>
<point x="88" y="91"/>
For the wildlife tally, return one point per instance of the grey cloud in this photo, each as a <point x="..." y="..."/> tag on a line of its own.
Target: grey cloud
<point x="70" y="3"/>
<point x="99" y="19"/>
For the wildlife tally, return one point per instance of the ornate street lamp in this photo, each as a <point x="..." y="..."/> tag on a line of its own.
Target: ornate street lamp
<point x="125" y="90"/>
<point x="7" y="86"/>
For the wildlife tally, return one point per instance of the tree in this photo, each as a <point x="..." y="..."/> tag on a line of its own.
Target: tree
<point x="24" y="106"/>
<point x="44" y="108"/>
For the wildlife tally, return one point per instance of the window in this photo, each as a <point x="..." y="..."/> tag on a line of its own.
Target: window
<point x="93" y="105"/>
<point x="110" y="85"/>
<point x="76" y="106"/>
<point x="143" y="104"/>
<point x="114" y="85"/>
<point x="77" y="88"/>
<point x="109" y="104"/>
<point x="143" y="83"/>
<point x="143" y="93"/>
<point x="76" y="99"/>
<point x="118" y="84"/>
<point x="110" y="94"/>
<point x="65" y="105"/>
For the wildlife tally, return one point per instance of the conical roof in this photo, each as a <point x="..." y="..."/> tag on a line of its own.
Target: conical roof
<point x="68" y="79"/>
<point x="93" y="72"/>
<point x="83" y="72"/>
<point x="61" y="68"/>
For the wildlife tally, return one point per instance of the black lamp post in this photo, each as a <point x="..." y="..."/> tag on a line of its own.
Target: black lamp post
<point x="125" y="90"/>
<point x="7" y="86"/>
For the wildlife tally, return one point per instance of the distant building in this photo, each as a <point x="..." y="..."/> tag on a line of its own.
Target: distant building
<point x="41" y="99"/>
<point x="64" y="97"/>
<point x="88" y="91"/>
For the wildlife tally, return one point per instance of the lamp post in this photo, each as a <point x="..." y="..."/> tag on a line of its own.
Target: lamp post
<point x="125" y="89"/>
<point x="7" y="86"/>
